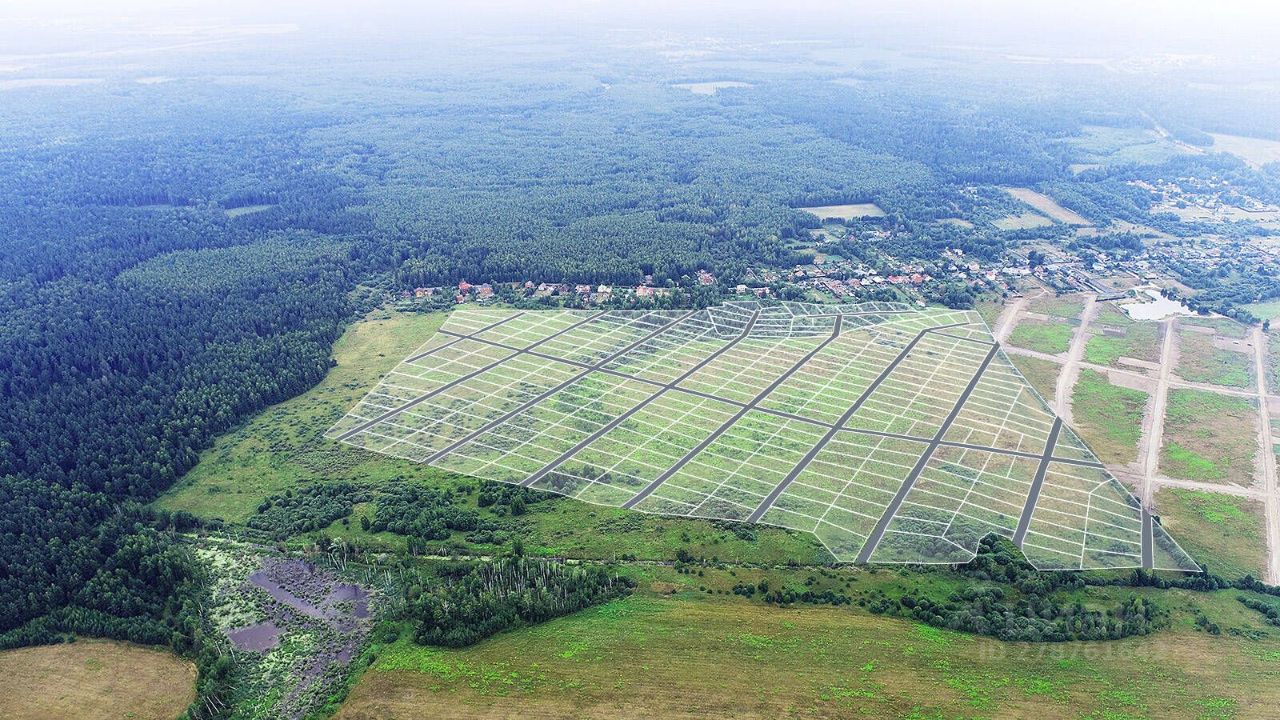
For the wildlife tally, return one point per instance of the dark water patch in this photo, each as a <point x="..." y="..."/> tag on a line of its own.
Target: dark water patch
<point x="260" y="637"/>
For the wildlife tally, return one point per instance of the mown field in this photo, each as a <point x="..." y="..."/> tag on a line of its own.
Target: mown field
<point x="1225" y="533"/>
<point x="94" y="679"/>
<point x="694" y="655"/>
<point x="1208" y="436"/>
<point x="1108" y="417"/>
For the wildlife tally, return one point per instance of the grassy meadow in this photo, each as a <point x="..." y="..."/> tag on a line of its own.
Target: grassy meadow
<point x="1046" y="337"/>
<point x="1108" y="417"/>
<point x="1209" y="437"/>
<point x="1226" y="533"/>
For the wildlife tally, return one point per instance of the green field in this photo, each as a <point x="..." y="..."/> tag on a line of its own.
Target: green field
<point x="1114" y="336"/>
<point x="1067" y="307"/>
<point x="694" y="655"/>
<point x="1208" y="436"/>
<point x="1264" y="310"/>
<point x="1225" y="533"/>
<point x="1199" y="360"/>
<point x="1041" y="373"/>
<point x="1108" y="417"/>
<point x="284" y="447"/>
<point x="1045" y="337"/>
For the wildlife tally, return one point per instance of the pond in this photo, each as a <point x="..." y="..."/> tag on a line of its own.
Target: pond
<point x="1157" y="308"/>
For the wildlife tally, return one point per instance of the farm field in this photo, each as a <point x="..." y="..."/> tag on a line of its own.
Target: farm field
<point x="1047" y="205"/>
<point x="1108" y="417"/>
<point x="1223" y="532"/>
<point x="646" y="657"/>
<point x="711" y="88"/>
<point x="1046" y="337"/>
<point x="94" y="679"/>
<point x="892" y="435"/>
<point x="1264" y="310"/>
<point x="1201" y="359"/>
<point x="845" y="212"/>
<point x="1209" y="437"/>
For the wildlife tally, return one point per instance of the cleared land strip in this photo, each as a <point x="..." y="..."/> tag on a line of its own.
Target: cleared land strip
<point x="452" y="384"/>
<point x="642" y="404"/>
<point x="781" y="487"/>
<point x="748" y="407"/>
<point x="1034" y="494"/>
<point x="498" y="421"/>
<point x="458" y="337"/>
<point x="874" y="539"/>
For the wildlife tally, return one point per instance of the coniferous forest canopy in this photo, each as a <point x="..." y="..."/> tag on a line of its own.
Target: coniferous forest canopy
<point x="184" y="236"/>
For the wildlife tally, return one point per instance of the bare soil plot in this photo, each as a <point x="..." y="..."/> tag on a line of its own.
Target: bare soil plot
<point x="890" y="433"/>
<point x="1047" y="206"/>
<point x="845" y="212"/>
<point x="94" y="679"/>
<point x="1209" y="437"/>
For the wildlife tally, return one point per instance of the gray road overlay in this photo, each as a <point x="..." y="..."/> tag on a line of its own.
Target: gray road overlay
<point x="641" y="405"/>
<point x="1148" y="540"/>
<point x="706" y="442"/>
<point x="1033" y="495"/>
<point x="873" y="540"/>
<point x="586" y="371"/>
<point x="457" y="381"/>
<point x="458" y="337"/>
<point x="781" y="487"/>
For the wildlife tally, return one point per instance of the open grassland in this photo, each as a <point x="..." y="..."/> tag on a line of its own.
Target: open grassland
<point x="1114" y="335"/>
<point x="1223" y="532"/>
<point x="94" y="679"/>
<point x="1208" y="436"/>
<point x="696" y="656"/>
<point x="845" y="212"/>
<point x="1200" y="360"/>
<point x="1067" y="307"/>
<point x="1042" y="374"/>
<point x="1047" y="205"/>
<point x="284" y="445"/>
<point x="1022" y="221"/>
<point x="1108" y="417"/>
<point x="1045" y="337"/>
<point x="1255" y="151"/>
<point x="1269" y="310"/>
<point x="1118" y="146"/>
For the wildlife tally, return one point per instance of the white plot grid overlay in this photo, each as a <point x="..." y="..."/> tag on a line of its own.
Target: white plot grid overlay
<point x="894" y="434"/>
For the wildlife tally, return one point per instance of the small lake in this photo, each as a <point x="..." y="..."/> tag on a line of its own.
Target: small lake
<point x="1157" y="308"/>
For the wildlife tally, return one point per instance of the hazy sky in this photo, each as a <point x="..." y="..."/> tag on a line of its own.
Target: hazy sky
<point x="1118" y="26"/>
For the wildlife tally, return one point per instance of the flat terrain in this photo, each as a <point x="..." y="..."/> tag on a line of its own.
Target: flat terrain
<point x="1048" y="206"/>
<point x="94" y="679"/>
<point x="892" y="435"/>
<point x="1202" y="358"/>
<point x="1255" y="151"/>
<point x="1045" y="337"/>
<point x="1225" y="533"/>
<point x="1209" y="437"/>
<point x="1108" y="417"/>
<point x="845" y="212"/>
<point x="1115" y="336"/>
<point x="1022" y="221"/>
<point x="698" y="657"/>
